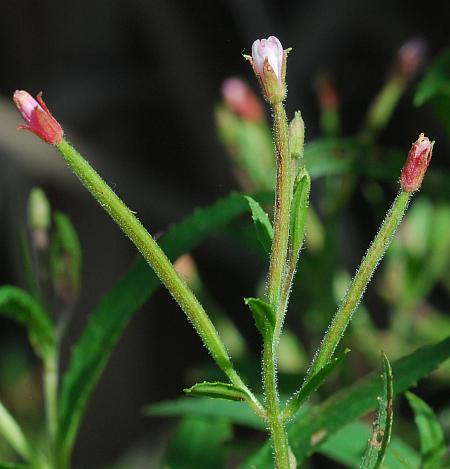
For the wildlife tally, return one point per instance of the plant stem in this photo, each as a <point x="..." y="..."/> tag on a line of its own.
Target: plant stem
<point x="274" y="416"/>
<point x="356" y="290"/>
<point x="283" y="195"/>
<point x="13" y="434"/>
<point x="51" y="395"/>
<point x="157" y="260"/>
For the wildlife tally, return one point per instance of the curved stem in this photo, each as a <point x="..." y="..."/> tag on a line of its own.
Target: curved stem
<point x="51" y="396"/>
<point x="155" y="257"/>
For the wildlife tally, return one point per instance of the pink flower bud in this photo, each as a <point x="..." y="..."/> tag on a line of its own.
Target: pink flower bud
<point x="416" y="165"/>
<point x="268" y="60"/>
<point x="38" y="117"/>
<point x="241" y="100"/>
<point x="272" y="50"/>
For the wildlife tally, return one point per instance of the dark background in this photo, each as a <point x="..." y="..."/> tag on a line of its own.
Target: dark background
<point x="134" y="84"/>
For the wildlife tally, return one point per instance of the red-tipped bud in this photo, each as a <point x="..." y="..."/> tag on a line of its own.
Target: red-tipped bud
<point x="416" y="165"/>
<point x="268" y="60"/>
<point x="240" y="98"/>
<point x="38" y="117"/>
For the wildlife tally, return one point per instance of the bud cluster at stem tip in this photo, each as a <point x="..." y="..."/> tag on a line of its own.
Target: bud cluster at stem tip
<point x="416" y="165"/>
<point x="38" y="118"/>
<point x="268" y="60"/>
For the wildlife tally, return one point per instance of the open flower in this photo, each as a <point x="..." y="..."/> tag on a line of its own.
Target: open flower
<point x="416" y="165"/>
<point x="268" y="60"/>
<point x="38" y="118"/>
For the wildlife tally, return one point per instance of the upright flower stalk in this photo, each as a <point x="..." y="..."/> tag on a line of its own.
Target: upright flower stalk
<point x="268" y="60"/>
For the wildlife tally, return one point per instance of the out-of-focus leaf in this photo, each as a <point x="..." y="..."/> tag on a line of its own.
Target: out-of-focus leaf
<point x="19" y="305"/>
<point x="436" y="82"/>
<point x="13" y="465"/>
<point x="236" y="412"/>
<point x="199" y="443"/>
<point x="65" y="258"/>
<point x="217" y="390"/>
<point x="382" y="426"/>
<point x="314" y="383"/>
<point x="263" y="314"/>
<point x="347" y="445"/>
<point x="307" y="433"/>
<point x="432" y="445"/>
<point x="108" y="321"/>
<point x="263" y="227"/>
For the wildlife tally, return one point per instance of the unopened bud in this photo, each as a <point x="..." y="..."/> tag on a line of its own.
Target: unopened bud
<point x="38" y="118"/>
<point x="296" y="135"/>
<point x="268" y="60"/>
<point x="416" y="165"/>
<point x="39" y="217"/>
<point x="240" y="98"/>
<point x="328" y="98"/>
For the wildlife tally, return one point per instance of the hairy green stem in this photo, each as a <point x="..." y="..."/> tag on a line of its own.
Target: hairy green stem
<point x="157" y="260"/>
<point x="359" y="283"/>
<point x="274" y="415"/>
<point x="283" y="195"/>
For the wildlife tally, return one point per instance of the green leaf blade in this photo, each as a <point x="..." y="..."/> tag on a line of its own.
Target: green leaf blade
<point x="263" y="227"/>
<point x="432" y="444"/>
<point x="382" y="426"/>
<point x="299" y="210"/>
<point x="217" y="390"/>
<point x="20" y="306"/>
<point x="263" y="314"/>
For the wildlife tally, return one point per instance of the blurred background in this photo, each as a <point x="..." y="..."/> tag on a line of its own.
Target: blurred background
<point x="135" y="84"/>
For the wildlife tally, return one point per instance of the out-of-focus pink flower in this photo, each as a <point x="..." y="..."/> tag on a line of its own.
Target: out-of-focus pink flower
<point x="38" y="118"/>
<point x="416" y="165"/>
<point x="240" y="98"/>
<point x="272" y="50"/>
<point x="410" y="58"/>
<point x="328" y="98"/>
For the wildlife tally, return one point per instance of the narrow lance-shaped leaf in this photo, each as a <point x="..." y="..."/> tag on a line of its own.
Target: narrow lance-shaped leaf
<point x="263" y="314"/>
<point x="382" y="426"/>
<point x="432" y="445"/>
<point x="263" y="227"/>
<point x="19" y="305"/>
<point x="217" y="390"/>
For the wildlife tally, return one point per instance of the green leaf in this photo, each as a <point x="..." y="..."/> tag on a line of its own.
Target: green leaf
<point x="382" y="426"/>
<point x="436" y="82"/>
<point x="314" y="383"/>
<point x="432" y="444"/>
<point x="238" y="413"/>
<point x="199" y="443"/>
<point x="19" y="305"/>
<point x="299" y="210"/>
<point x="263" y="314"/>
<point x="217" y="390"/>
<point x="347" y="445"/>
<point x="264" y="230"/>
<point x="65" y="257"/>
<point x="307" y="433"/>
<point x="107" y="322"/>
